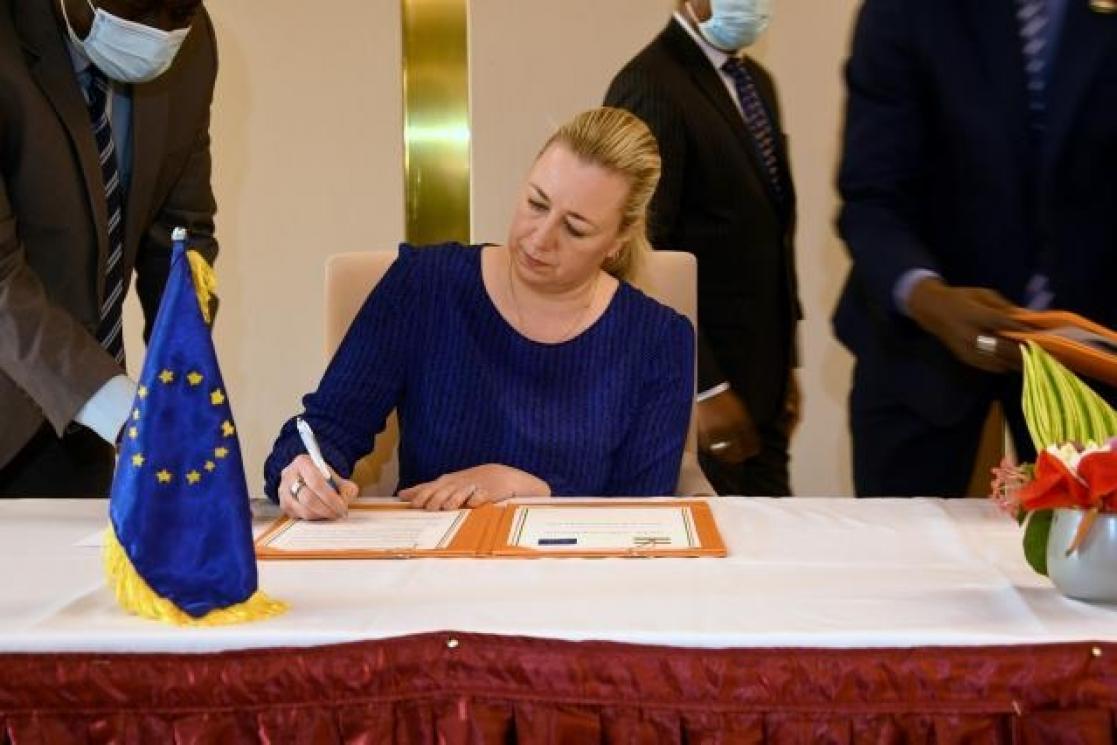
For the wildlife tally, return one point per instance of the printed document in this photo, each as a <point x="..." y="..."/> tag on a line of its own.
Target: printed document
<point x="548" y="528"/>
<point x="371" y="530"/>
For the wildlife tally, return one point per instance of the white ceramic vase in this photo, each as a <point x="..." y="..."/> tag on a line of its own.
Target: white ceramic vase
<point x="1090" y="573"/>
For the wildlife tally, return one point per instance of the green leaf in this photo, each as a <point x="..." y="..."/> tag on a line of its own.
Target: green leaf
<point x="1058" y="406"/>
<point x="1035" y="539"/>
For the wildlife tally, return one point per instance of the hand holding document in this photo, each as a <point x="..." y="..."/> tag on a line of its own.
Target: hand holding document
<point x="559" y="528"/>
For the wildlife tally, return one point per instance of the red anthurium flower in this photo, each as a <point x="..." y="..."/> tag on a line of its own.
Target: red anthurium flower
<point x="1099" y="471"/>
<point x="1054" y="486"/>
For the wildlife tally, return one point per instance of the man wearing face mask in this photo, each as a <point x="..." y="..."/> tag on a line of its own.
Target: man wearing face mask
<point x="104" y="148"/>
<point x="726" y="195"/>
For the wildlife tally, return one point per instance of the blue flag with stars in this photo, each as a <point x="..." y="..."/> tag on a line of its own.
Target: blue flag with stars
<point x="179" y="503"/>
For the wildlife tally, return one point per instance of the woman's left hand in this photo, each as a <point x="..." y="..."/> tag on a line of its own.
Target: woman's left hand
<point x="474" y="487"/>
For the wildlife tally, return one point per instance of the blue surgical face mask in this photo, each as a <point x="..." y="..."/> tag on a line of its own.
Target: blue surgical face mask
<point x="735" y="24"/>
<point x="124" y="50"/>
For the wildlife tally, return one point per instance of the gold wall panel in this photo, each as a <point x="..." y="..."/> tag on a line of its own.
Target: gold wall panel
<point x="436" y="136"/>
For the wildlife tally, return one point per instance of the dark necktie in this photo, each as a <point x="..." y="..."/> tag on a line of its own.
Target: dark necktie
<point x="109" y="332"/>
<point x="759" y="125"/>
<point x="1034" y="20"/>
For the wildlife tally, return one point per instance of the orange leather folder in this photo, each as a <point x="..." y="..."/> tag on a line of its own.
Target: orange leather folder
<point x="1085" y="347"/>
<point x="706" y="539"/>
<point x="487" y="532"/>
<point x="471" y="536"/>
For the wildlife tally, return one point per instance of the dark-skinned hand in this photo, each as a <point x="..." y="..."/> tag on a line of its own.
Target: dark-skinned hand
<point x="958" y="315"/>
<point x="725" y="429"/>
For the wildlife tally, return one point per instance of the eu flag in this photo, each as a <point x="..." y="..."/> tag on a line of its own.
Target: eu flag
<point x="179" y="503"/>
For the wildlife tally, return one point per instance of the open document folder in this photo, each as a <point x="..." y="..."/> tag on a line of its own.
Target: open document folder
<point x="554" y="528"/>
<point x="1085" y="347"/>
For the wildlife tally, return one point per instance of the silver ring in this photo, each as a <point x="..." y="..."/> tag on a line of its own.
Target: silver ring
<point x="986" y="344"/>
<point x="717" y="447"/>
<point x="296" y="488"/>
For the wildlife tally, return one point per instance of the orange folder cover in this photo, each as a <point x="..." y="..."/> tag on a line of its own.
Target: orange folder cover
<point x="1083" y="346"/>
<point x="705" y="540"/>
<point x="488" y="532"/>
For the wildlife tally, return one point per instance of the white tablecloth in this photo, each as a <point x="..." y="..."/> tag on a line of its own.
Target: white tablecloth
<point x="801" y="572"/>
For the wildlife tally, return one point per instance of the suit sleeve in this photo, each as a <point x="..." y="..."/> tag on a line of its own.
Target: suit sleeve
<point x="46" y="352"/>
<point x="885" y="152"/>
<point x="189" y="204"/>
<point x="641" y="93"/>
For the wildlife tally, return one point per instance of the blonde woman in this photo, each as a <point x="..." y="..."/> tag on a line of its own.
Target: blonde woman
<point x="529" y="368"/>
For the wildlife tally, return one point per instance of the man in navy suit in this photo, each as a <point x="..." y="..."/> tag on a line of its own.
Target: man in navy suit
<point x="978" y="177"/>
<point x="726" y="195"/>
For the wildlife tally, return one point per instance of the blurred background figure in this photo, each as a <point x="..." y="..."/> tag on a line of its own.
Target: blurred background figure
<point x="104" y="120"/>
<point x="726" y="195"/>
<point x="977" y="177"/>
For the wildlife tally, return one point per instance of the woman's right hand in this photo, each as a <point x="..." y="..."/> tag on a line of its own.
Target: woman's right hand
<point x="305" y="495"/>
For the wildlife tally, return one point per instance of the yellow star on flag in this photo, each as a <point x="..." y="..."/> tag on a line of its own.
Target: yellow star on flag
<point x="193" y="477"/>
<point x="138" y="460"/>
<point x="142" y="391"/>
<point x="227" y="428"/>
<point x="221" y="452"/>
<point x="194" y="378"/>
<point x="133" y="432"/>
<point x="167" y="377"/>
<point x="210" y="465"/>
<point x="136" y="414"/>
<point x="217" y="397"/>
<point x="164" y="476"/>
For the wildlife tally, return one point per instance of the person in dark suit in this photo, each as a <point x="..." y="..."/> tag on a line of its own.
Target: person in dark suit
<point x="977" y="177"/>
<point x="104" y="148"/>
<point x="726" y="195"/>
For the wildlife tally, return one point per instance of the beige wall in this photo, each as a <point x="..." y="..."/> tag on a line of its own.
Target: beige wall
<point x="307" y="150"/>
<point x="805" y="50"/>
<point x="557" y="62"/>
<point x="308" y="162"/>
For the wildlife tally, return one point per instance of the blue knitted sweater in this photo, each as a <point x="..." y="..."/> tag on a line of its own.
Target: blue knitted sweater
<point x="602" y="414"/>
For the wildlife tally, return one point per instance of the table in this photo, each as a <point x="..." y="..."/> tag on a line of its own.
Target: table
<point x="882" y="620"/>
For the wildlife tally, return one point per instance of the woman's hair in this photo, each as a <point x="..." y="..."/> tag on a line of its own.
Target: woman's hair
<point x="619" y="142"/>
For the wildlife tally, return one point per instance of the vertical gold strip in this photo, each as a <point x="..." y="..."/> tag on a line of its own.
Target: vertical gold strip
<point x="436" y="120"/>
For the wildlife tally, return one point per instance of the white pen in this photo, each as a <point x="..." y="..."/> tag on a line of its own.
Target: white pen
<point x="311" y="445"/>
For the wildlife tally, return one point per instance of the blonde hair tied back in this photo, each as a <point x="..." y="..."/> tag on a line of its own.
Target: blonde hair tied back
<point x="618" y="141"/>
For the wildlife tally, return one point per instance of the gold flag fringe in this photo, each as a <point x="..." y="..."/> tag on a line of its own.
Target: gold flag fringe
<point x="205" y="282"/>
<point x="136" y="596"/>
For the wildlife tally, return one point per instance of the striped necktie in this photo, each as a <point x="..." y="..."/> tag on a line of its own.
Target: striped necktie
<point x="759" y="125"/>
<point x="109" y="332"/>
<point x="1034" y="22"/>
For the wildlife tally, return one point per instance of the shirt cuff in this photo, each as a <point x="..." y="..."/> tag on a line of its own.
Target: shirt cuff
<point x="711" y="392"/>
<point x="1038" y="294"/>
<point x="107" y="410"/>
<point x="901" y="293"/>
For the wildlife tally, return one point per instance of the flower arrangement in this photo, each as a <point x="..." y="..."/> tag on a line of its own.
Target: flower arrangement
<point x="1075" y="433"/>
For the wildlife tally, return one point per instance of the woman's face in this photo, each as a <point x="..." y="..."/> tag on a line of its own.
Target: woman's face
<point x="567" y="221"/>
